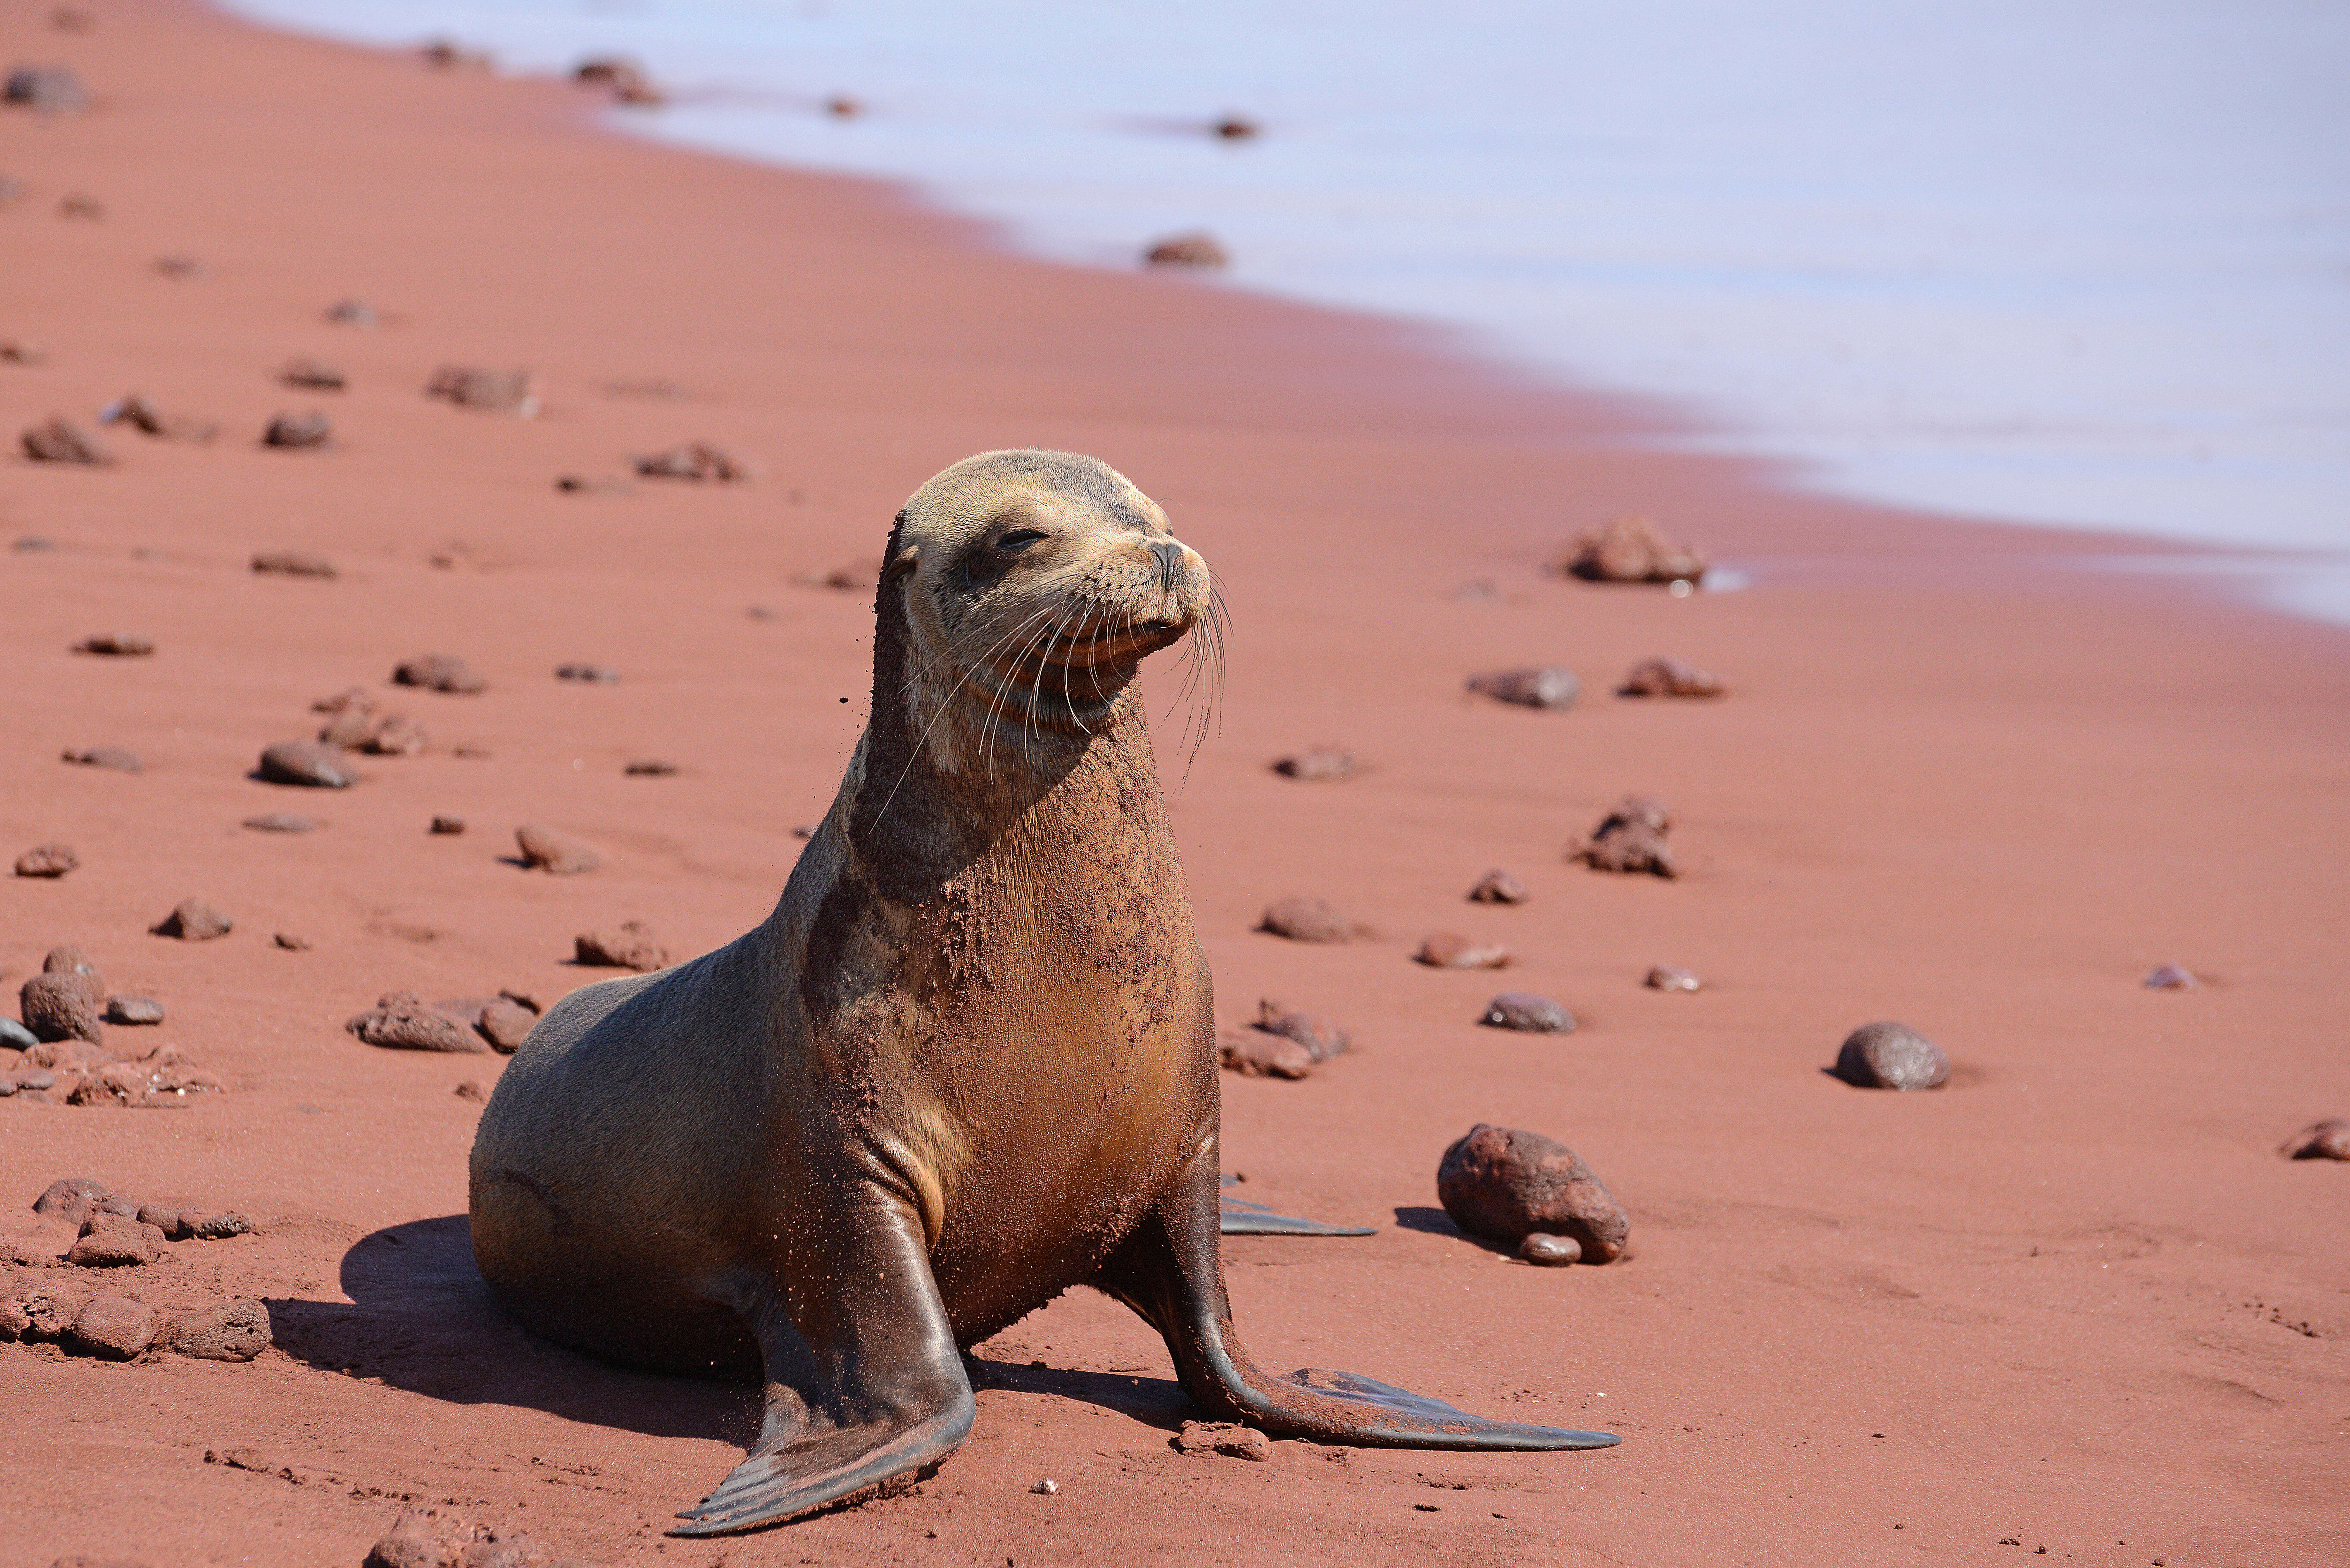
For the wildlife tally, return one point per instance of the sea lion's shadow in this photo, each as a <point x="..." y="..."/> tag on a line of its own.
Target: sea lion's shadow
<point x="422" y="1318"/>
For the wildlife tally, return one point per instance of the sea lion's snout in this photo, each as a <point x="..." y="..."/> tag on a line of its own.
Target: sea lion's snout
<point x="1171" y="555"/>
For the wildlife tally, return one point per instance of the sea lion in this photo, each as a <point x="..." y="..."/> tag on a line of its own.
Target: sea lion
<point x="968" y="1061"/>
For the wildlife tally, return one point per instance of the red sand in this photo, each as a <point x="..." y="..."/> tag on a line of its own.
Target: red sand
<point x="2075" y="1300"/>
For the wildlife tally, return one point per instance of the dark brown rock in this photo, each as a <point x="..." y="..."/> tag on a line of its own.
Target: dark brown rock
<point x="631" y="947"/>
<point x="1192" y="250"/>
<point x="52" y="90"/>
<point x="115" y="1240"/>
<point x="313" y="375"/>
<point x="291" y="942"/>
<point x="505" y="1025"/>
<point x="1236" y="128"/>
<point x="598" y="674"/>
<point x="133" y="1009"/>
<point x="78" y="204"/>
<point x="555" y="852"/>
<point x="2328" y="1139"/>
<point x="1322" y="1038"/>
<point x="1665" y="977"/>
<point x="280" y="821"/>
<point x="65" y="1006"/>
<point x="113" y="758"/>
<point x="1505" y="1185"/>
<point x="299" y="433"/>
<point x="70" y="1196"/>
<point x="695" y="460"/>
<point x="650" y="768"/>
<point x="1546" y="1250"/>
<point x="440" y="672"/>
<point x="448" y="826"/>
<point x="494" y="391"/>
<point x="1668" y="677"/>
<point x="115" y="1328"/>
<point x="16" y="351"/>
<point x="313" y="765"/>
<point x="1451" y="950"/>
<point x="194" y="921"/>
<point x="225" y="1331"/>
<point x="1330" y="762"/>
<point x="1499" y="888"/>
<point x="1630" y="839"/>
<point x="1631" y="549"/>
<point x="1229" y="1439"/>
<point x="1548" y="686"/>
<point x="141" y="413"/>
<point x="2171" y="977"/>
<point x="401" y="1021"/>
<point x="1889" y="1055"/>
<point x="61" y="441"/>
<point x="1253" y="1054"/>
<point x="117" y="644"/>
<point x="393" y="735"/>
<point x="221" y="1227"/>
<point x="1307" y="920"/>
<point x="48" y="860"/>
<point x="1528" y="1013"/>
<point x="294" y="563"/>
<point x="470" y="1090"/>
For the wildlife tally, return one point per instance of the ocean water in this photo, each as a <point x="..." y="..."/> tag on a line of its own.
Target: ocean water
<point x="2078" y="262"/>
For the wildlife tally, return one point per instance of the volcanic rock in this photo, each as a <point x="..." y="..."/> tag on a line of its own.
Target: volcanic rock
<point x="436" y="1537"/>
<point x="1253" y="1054"/>
<point x="354" y="313"/>
<point x="61" y="441"/>
<point x="2170" y="976"/>
<point x="1307" y="920"/>
<point x="1546" y="1251"/>
<point x="1505" y="1185"/>
<point x="133" y="1009"/>
<point x="1546" y="686"/>
<point x="279" y="822"/>
<point x="1196" y="250"/>
<point x="1668" y="677"/>
<point x="1631" y="838"/>
<point x="696" y="460"/>
<point x="225" y="1331"/>
<point x="1891" y="1055"/>
<point x="77" y="206"/>
<point x="221" y="1227"/>
<point x="401" y="1021"/>
<point x="299" y="433"/>
<point x="440" y="672"/>
<point x="46" y="860"/>
<point x="1525" y="1011"/>
<point x="1631" y="549"/>
<point x="312" y="374"/>
<point x="52" y="90"/>
<point x="650" y="768"/>
<point x="507" y="1024"/>
<point x="1317" y="762"/>
<point x="1451" y="950"/>
<point x="1664" y="978"/>
<point x="115" y="1240"/>
<point x="1226" y="1438"/>
<point x="194" y="921"/>
<point x="291" y="942"/>
<point x="1499" y="888"/>
<point x="1322" y="1038"/>
<point x="113" y="758"/>
<point x="603" y="674"/>
<point x="70" y="1196"/>
<point x="116" y="645"/>
<point x="556" y="853"/>
<point x="631" y="947"/>
<point x="2328" y="1139"/>
<point x="495" y="392"/>
<point x="294" y="563"/>
<point x="182" y="268"/>
<point x="448" y="826"/>
<point x="115" y="1328"/>
<point x="139" y="413"/>
<point x="66" y="1006"/>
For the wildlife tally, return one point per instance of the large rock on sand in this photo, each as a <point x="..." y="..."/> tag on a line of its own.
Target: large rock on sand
<point x="401" y="1021"/>
<point x="1505" y="1185"/>
<point x="1889" y="1055"/>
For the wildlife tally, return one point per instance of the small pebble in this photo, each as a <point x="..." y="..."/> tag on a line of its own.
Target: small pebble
<point x="650" y="768"/>
<point x="299" y="433"/>
<point x="1548" y="686"/>
<point x="1523" y="1010"/>
<point x="313" y="375"/>
<point x="440" y="672"/>
<point x="311" y="763"/>
<point x="221" y="1227"/>
<point x="1630" y="839"/>
<point x="293" y="563"/>
<point x="182" y="268"/>
<point x="1229" y="1439"/>
<point x="695" y="460"/>
<point x="292" y="943"/>
<point x="1499" y="888"/>
<point x="470" y="1090"/>
<point x="495" y="392"/>
<point x="1192" y="250"/>
<point x="603" y="674"/>
<point x="113" y="1328"/>
<point x="2328" y="1139"/>
<point x="1631" y="549"/>
<point x="1046" y="1487"/>
<point x="354" y="313"/>
<point x="225" y="1331"/>
<point x="1668" y="677"/>
<point x="1236" y="128"/>
<point x="133" y="1011"/>
<point x="631" y="947"/>
<point x="505" y="1025"/>
<point x="1505" y="1184"/>
<point x="1318" y="762"/>
<point x="117" y="644"/>
<point x="1451" y="950"/>
<point x="1307" y="920"/>
<point x="52" y="90"/>
<point x="79" y="205"/>
<point x="194" y="921"/>
<point x="1253" y="1054"/>
<point x="555" y="852"/>
<point x="1664" y="978"/>
<point x="1546" y="1251"/>
<point x="1321" y="1037"/>
<point x="112" y="758"/>
<point x="448" y="825"/>
<point x="51" y="860"/>
<point x="2170" y="976"/>
<point x="401" y="1021"/>
<point x="61" y="441"/>
<point x="280" y="821"/>
<point x="1889" y="1055"/>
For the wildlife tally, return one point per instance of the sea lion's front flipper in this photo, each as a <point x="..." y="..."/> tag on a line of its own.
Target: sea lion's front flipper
<point x="1169" y="1271"/>
<point x="865" y="1388"/>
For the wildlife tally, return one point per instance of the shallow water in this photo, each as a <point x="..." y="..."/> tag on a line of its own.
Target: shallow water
<point x="2052" y="262"/>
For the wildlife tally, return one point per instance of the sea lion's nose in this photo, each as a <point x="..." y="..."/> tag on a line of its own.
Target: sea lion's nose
<point x="1171" y="562"/>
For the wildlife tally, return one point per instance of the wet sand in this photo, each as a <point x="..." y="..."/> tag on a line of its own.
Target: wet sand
<point x="2075" y="1300"/>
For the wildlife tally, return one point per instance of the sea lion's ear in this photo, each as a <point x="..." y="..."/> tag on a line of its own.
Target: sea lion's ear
<point x="897" y="557"/>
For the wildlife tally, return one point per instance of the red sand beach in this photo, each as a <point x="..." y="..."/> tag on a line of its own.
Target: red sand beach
<point x="2074" y="1301"/>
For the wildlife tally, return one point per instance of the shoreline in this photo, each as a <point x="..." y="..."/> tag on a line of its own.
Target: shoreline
<point x="1946" y="785"/>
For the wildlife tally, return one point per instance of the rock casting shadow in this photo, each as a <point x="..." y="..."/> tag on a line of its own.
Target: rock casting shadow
<point x="1436" y="1222"/>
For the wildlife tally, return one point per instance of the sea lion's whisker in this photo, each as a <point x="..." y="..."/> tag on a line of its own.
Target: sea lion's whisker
<point x="944" y="702"/>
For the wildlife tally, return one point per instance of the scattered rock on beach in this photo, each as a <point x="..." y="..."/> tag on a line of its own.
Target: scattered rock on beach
<point x="354" y="313"/>
<point x="14" y="1036"/>
<point x="313" y="375"/>
<point x="182" y="268"/>
<point x="631" y="946"/>
<point x="1192" y="250"/>
<point x="495" y="391"/>
<point x="114" y="1242"/>
<point x="1890" y="1055"/>
<point x="1548" y="686"/>
<point x="117" y="644"/>
<point x="2171" y="977"/>
<point x="1498" y="887"/>
<point x="1631" y="549"/>
<point x="67" y="959"/>
<point x="597" y="674"/>
<point x="650" y="768"/>
<point x="1630" y="839"/>
<point x="470" y="1090"/>
<point x="447" y="826"/>
<point x="440" y="672"/>
<point x="1307" y="920"/>
<point x="1229" y="1439"/>
<point x="280" y="821"/>
<point x="134" y="1011"/>
<point x="65" y="1006"/>
<point x="1663" y="977"/>
<point x="505" y="1025"/>
<point x="70" y="1196"/>
<point x="448" y="55"/>
<point x="293" y="563"/>
<point x="194" y="921"/>
<point x="1668" y="677"/>
<point x="299" y="433"/>
<point x="1548" y="1252"/>
<point x="50" y="860"/>
<point x="115" y="1328"/>
<point x="1451" y="950"/>
<point x="1527" y="1013"/>
<point x="695" y="460"/>
<point x="1236" y="128"/>
<point x="1322" y="1038"/>
<point x="1253" y="1054"/>
<point x="2328" y="1139"/>
<point x="112" y="758"/>
<point x="16" y="351"/>
<point x="292" y="943"/>
<point x="426" y="1537"/>
<point x="1505" y="1185"/>
<point x="1317" y="762"/>
<point x="225" y="1331"/>
<point x="401" y="1021"/>
<point x="139" y="413"/>
<point x="624" y="78"/>
<point x="311" y="763"/>
<point x="556" y="852"/>
<point x="76" y="204"/>
<point x="51" y="89"/>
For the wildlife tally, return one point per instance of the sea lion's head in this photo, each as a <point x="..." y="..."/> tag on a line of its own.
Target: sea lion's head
<point x="1027" y="588"/>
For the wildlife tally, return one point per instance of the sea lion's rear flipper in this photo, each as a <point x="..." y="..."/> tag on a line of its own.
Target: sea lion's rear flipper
<point x="1169" y="1271"/>
<point x="1240" y="1218"/>
<point x="863" y="1389"/>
